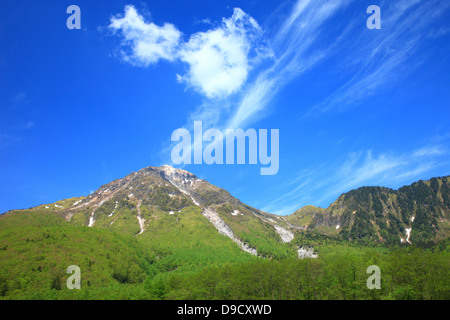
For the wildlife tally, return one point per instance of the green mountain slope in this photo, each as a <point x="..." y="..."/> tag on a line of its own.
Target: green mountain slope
<point x="419" y="212"/>
<point x="167" y="205"/>
<point x="36" y="249"/>
<point x="162" y="233"/>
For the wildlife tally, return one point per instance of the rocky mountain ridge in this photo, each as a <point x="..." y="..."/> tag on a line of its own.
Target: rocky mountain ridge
<point x="135" y="204"/>
<point x="420" y="211"/>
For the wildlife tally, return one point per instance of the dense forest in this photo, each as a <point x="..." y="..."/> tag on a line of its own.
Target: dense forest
<point x="35" y="250"/>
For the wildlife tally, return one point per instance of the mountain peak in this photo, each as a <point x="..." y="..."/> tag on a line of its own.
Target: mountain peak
<point x="178" y="177"/>
<point x="174" y="172"/>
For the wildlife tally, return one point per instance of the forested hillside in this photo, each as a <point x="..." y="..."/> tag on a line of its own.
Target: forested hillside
<point x="162" y="233"/>
<point x="416" y="213"/>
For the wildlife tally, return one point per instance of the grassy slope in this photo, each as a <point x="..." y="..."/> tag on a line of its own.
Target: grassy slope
<point x="36" y="249"/>
<point x="186" y="240"/>
<point x="303" y="216"/>
<point x="181" y="256"/>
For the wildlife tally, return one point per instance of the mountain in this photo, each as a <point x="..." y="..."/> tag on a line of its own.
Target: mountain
<point x="148" y="224"/>
<point x="153" y="202"/>
<point x="419" y="212"/>
<point x="163" y="233"/>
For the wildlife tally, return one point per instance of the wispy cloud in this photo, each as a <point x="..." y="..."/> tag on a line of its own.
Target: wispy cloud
<point x="442" y="31"/>
<point x="297" y="49"/>
<point x="294" y="49"/>
<point x="21" y="98"/>
<point x="14" y="129"/>
<point x="431" y="151"/>
<point x="382" y="58"/>
<point x="359" y="169"/>
<point x="24" y="126"/>
<point x="385" y="169"/>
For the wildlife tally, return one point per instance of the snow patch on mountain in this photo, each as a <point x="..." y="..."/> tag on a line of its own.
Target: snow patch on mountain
<point x="285" y="234"/>
<point x="120" y="185"/>
<point x="91" y="220"/>
<point x="139" y="217"/>
<point x="408" y="233"/>
<point x="188" y="194"/>
<point x="306" y="253"/>
<point x="141" y="224"/>
<point x="224" y="229"/>
<point x="180" y="179"/>
<point x="115" y="207"/>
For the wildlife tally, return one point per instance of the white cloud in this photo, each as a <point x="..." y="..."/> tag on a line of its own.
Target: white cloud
<point x="220" y="59"/>
<point x="294" y="49"/>
<point x="145" y="43"/>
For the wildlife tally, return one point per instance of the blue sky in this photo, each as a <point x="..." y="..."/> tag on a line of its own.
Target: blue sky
<point x="354" y="107"/>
